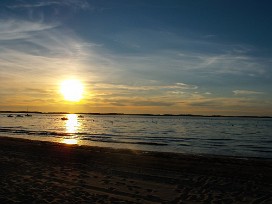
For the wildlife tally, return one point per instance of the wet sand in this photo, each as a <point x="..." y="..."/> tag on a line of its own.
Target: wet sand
<point x="43" y="172"/>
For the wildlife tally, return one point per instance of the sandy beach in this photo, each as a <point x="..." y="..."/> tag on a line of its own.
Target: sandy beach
<point x="44" y="172"/>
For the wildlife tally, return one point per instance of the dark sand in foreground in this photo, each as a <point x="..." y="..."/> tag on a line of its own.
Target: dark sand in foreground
<point x="43" y="172"/>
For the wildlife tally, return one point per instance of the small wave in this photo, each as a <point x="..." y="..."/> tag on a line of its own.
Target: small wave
<point x="184" y="144"/>
<point x="12" y="127"/>
<point x="149" y="143"/>
<point x="261" y="150"/>
<point x="95" y="139"/>
<point x="245" y="145"/>
<point x="31" y="132"/>
<point x="252" y="146"/>
<point x="4" y="130"/>
<point x="218" y="145"/>
<point x="266" y="141"/>
<point x="219" y="139"/>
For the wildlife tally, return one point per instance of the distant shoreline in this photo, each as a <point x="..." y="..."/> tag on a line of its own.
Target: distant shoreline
<point x="137" y="114"/>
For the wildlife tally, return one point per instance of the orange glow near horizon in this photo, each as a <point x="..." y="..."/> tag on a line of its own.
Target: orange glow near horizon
<point x="72" y="90"/>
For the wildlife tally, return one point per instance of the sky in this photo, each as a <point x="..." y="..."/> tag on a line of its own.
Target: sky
<point x="158" y="56"/>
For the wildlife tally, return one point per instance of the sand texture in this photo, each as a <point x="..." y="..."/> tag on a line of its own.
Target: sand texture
<point x="43" y="172"/>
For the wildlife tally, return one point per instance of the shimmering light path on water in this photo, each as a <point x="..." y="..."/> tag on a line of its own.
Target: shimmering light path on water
<point x="250" y="137"/>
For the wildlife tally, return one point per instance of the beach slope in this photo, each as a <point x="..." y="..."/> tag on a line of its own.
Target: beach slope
<point x="44" y="172"/>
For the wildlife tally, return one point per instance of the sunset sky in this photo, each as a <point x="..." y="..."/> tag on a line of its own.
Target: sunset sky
<point x="138" y="56"/>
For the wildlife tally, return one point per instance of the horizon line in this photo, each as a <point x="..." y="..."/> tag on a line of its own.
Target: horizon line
<point x="143" y="114"/>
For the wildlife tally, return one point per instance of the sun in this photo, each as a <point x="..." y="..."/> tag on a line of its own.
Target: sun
<point x="72" y="90"/>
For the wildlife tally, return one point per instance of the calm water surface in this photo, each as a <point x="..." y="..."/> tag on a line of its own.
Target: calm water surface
<point x="247" y="137"/>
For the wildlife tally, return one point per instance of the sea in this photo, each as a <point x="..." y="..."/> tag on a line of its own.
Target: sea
<point x="229" y="136"/>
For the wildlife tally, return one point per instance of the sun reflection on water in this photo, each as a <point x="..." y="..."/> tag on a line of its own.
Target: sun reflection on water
<point x="72" y="125"/>
<point x="69" y="141"/>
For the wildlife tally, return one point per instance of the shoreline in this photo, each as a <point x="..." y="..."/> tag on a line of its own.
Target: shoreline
<point x="80" y="145"/>
<point x="53" y="172"/>
<point x="96" y="144"/>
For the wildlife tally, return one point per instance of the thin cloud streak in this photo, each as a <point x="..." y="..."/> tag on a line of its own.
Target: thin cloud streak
<point x="185" y="53"/>
<point x="81" y="4"/>
<point x="190" y="67"/>
<point x="144" y="88"/>
<point x="246" y="92"/>
<point x="14" y="29"/>
<point x="35" y="5"/>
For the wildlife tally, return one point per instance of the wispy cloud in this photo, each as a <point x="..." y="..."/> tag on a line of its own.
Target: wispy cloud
<point x="176" y="86"/>
<point x="15" y="29"/>
<point x="34" y="4"/>
<point x="185" y="53"/>
<point x="81" y="4"/>
<point x="246" y="92"/>
<point x="136" y="102"/>
<point x="229" y="104"/>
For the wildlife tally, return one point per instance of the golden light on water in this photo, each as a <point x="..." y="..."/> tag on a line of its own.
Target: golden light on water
<point x="72" y="125"/>
<point x="72" y="90"/>
<point x="69" y="141"/>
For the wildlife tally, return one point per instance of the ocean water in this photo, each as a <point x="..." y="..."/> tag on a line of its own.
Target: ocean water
<point x="231" y="136"/>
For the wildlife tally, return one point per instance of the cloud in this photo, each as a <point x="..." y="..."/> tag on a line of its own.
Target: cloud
<point x="171" y="54"/>
<point x="226" y="103"/>
<point x="155" y="94"/>
<point x="136" y="101"/>
<point x="246" y="92"/>
<point x="34" y="5"/>
<point x="25" y="41"/>
<point x="209" y="36"/>
<point x="176" y="86"/>
<point x="15" y="29"/>
<point x="79" y="4"/>
<point x="207" y="103"/>
<point x="231" y="63"/>
<point x="185" y="86"/>
<point x="142" y="103"/>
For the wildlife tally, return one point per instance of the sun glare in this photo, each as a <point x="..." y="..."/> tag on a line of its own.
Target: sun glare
<point x="72" y="90"/>
<point x="70" y="141"/>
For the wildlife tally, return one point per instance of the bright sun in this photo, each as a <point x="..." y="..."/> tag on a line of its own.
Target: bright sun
<point x="72" y="90"/>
